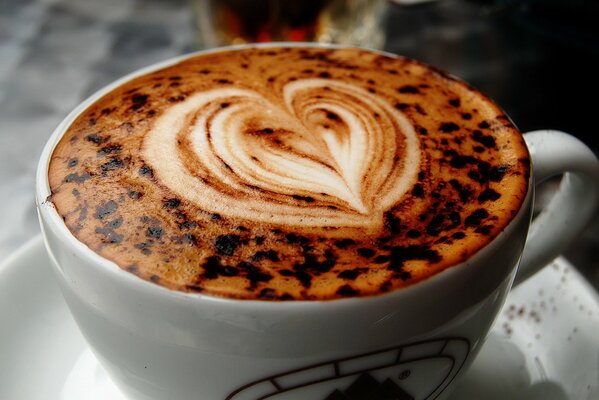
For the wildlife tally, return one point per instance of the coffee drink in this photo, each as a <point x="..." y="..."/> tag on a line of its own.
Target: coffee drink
<point x="289" y="173"/>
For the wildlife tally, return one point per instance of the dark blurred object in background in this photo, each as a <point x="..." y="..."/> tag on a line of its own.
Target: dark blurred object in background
<point x="225" y="22"/>
<point x="574" y="22"/>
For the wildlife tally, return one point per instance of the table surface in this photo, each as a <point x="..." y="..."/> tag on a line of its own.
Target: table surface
<point x="536" y="64"/>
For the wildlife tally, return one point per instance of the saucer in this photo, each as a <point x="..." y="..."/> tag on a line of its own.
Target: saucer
<point x="544" y="344"/>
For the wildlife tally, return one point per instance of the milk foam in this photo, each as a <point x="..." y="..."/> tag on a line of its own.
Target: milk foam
<point x="289" y="173"/>
<point x="237" y="153"/>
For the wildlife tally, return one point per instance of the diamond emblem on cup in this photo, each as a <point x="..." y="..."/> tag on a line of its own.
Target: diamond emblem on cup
<point x="389" y="374"/>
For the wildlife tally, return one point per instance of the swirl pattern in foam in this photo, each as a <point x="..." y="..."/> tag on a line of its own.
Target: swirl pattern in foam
<point x="286" y="173"/>
<point x="322" y="158"/>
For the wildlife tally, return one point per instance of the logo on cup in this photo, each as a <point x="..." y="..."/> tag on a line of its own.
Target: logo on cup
<point x="389" y="374"/>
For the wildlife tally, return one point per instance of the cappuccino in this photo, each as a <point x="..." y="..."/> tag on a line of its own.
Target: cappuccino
<point x="289" y="173"/>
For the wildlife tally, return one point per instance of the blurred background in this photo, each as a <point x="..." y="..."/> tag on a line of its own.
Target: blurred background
<point x="538" y="59"/>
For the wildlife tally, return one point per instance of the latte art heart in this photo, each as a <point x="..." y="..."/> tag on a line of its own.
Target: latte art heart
<point x="321" y="155"/>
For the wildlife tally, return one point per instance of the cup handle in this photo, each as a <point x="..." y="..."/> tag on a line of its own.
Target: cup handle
<point x="573" y="205"/>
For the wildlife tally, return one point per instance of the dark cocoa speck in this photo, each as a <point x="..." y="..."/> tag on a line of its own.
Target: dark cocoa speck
<point x="465" y="194"/>
<point x="73" y="162"/>
<point x="392" y="222"/>
<point x="171" y="203"/>
<point x="146" y="170"/>
<point x="404" y="275"/>
<point x="133" y="268"/>
<point x="381" y="259"/>
<point x="293" y="238"/>
<point x="138" y="100"/>
<point x="435" y="225"/>
<point x="267" y="293"/>
<point x="366" y="252"/>
<point x="448" y="127"/>
<point x="187" y="224"/>
<point x="486" y="140"/>
<point x="460" y="161"/>
<point x="253" y="273"/>
<point x="106" y="209"/>
<point x="304" y="278"/>
<point x="351" y="274"/>
<point x="419" y="109"/>
<point x="344" y="243"/>
<point x="176" y="99"/>
<point x="286" y="272"/>
<point x="154" y="232"/>
<point x="476" y="218"/>
<point x="226" y="244"/>
<point x="488" y="194"/>
<point x="186" y="239"/>
<point x="110" y="149"/>
<point x="228" y="270"/>
<point x="408" y="89"/>
<point x="265" y="254"/>
<point x="496" y="174"/>
<point x="400" y="254"/>
<point x="113" y="164"/>
<point x="75" y="177"/>
<point x="332" y="116"/>
<point x="307" y="199"/>
<point x="115" y="223"/>
<point x="454" y="102"/>
<point x="96" y="139"/>
<point x="109" y="235"/>
<point x="347" y="291"/>
<point x="458" y="235"/>
<point x="413" y="233"/>
<point x="135" y="195"/>
<point x="484" y="229"/>
<point x="418" y="191"/>
<point x="212" y="267"/>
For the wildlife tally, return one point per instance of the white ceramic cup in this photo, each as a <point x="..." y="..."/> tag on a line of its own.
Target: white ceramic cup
<point x="411" y="343"/>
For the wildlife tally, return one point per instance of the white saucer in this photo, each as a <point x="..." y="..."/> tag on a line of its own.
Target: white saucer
<point x="544" y="345"/>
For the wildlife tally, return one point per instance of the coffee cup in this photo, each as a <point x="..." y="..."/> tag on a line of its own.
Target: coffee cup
<point x="239" y="223"/>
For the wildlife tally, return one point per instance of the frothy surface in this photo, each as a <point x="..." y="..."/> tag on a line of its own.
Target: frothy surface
<point x="289" y="173"/>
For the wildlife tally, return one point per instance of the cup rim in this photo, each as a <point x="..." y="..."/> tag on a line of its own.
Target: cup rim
<point x="47" y="211"/>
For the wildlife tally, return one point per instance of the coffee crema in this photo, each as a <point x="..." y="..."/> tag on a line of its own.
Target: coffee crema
<point x="289" y="173"/>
